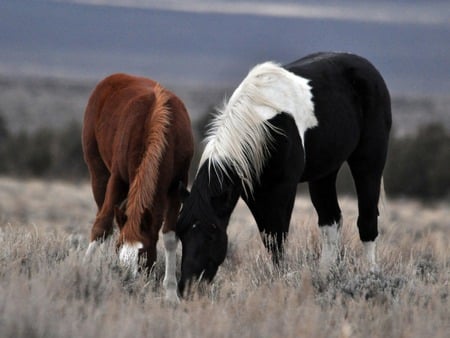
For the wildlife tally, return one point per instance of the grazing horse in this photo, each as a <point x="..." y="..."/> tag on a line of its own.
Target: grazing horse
<point x="138" y="144"/>
<point x="282" y="126"/>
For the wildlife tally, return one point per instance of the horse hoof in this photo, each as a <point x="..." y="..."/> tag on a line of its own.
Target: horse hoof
<point x="172" y="297"/>
<point x="374" y="268"/>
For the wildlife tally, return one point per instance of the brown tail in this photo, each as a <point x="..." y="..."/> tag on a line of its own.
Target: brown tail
<point x="143" y="188"/>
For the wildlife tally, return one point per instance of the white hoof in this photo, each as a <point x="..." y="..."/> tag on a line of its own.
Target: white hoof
<point x="172" y="297"/>
<point x="129" y="256"/>
<point x="370" y="250"/>
<point x="330" y="246"/>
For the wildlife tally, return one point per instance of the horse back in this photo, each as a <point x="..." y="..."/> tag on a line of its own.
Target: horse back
<point x="351" y="103"/>
<point x="120" y="117"/>
<point x="345" y="82"/>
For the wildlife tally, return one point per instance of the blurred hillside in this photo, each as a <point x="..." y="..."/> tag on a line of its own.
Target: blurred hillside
<point x="214" y="43"/>
<point x="40" y="134"/>
<point x="31" y="103"/>
<point x="53" y="52"/>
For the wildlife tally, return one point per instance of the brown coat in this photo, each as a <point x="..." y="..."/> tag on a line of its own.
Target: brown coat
<point x="138" y="144"/>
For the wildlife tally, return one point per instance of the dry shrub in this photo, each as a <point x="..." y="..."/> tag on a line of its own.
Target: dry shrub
<point x="48" y="290"/>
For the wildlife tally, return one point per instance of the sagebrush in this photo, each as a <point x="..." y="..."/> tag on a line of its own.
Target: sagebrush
<point x="47" y="290"/>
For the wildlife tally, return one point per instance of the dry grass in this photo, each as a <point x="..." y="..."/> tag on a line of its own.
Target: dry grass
<point x="47" y="291"/>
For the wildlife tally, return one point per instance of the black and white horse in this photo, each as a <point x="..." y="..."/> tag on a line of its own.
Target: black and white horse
<point x="284" y="125"/>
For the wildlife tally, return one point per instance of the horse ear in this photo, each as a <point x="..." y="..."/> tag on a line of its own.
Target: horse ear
<point x="121" y="217"/>
<point x="184" y="193"/>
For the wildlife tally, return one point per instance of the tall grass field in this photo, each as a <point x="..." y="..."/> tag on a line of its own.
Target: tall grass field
<point x="47" y="290"/>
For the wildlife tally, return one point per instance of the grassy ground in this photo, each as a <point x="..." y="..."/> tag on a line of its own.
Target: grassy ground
<point x="47" y="291"/>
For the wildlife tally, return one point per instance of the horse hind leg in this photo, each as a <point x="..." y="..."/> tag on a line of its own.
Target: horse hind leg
<point x="115" y="193"/>
<point x="99" y="180"/>
<point x="103" y="225"/>
<point x="324" y="198"/>
<point x="367" y="183"/>
<point x="98" y="171"/>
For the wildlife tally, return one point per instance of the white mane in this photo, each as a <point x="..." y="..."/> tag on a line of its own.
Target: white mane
<point x="240" y="133"/>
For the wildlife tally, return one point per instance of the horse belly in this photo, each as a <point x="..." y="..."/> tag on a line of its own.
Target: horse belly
<point x="105" y="132"/>
<point x="324" y="155"/>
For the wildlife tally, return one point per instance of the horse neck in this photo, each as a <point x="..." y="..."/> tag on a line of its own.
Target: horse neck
<point x="209" y="183"/>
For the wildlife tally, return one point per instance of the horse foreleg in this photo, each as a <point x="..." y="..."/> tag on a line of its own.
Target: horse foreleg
<point x="170" y="246"/>
<point x="324" y="198"/>
<point x="330" y="245"/>
<point x="170" y="278"/>
<point x="271" y="207"/>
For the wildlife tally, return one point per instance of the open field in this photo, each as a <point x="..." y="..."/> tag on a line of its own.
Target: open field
<point x="47" y="291"/>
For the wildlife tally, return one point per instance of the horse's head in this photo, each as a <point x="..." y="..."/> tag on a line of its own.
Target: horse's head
<point x="202" y="225"/>
<point x="204" y="249"/>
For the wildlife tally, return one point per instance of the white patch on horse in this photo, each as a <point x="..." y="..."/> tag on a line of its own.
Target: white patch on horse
<point x="280" y="90"/>
<point x="91" y="249"/>
<point x="170" y="278"/>
<point x="95" y="248"/>
<point x="240" y="133"/>
<point x="129" y="255"/>
<point x="330" y="245"/>
<point x="370" y="254"/>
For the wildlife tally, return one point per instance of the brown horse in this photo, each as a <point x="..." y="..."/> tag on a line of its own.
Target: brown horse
<point x="138" y="145"/>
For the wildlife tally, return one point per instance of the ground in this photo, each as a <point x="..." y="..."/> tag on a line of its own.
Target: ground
<point x="47" y="290"/>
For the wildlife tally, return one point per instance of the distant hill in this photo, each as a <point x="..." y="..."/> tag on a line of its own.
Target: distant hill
<point x="29" y="103"/>
<point x="210" y="49"/>
<point x="53" y="53"/>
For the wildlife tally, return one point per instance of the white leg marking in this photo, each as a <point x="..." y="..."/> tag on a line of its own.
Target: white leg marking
<point x="90" y="250"/>
<point x="370" y="253"/>
<point x="128" y="256"/>
<point x="330" y="243"/>
<point x="170" y="278"/>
